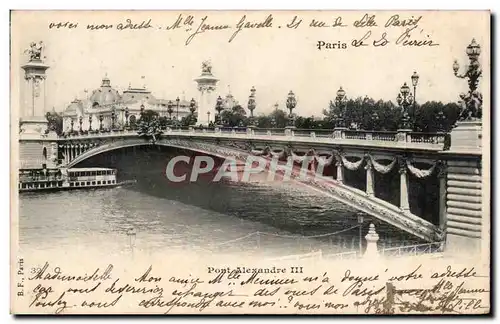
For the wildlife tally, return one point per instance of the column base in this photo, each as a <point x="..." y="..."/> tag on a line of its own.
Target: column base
<point x="289" y="130"/>
<point x="339" y="132"/>
<point x="467" y="136"/>
<point x="34" y="127"/>
<point x="402" y="135"/>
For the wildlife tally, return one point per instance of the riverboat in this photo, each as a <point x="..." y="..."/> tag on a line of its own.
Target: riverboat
<point x="74" y="178"/>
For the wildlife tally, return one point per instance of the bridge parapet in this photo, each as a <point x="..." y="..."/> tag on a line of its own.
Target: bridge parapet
<point x="376" y="139"/>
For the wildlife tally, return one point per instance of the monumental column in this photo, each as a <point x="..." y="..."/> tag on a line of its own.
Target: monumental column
<point x="207" y="83"/>
<point x="33" y="121"/>
<point x="37" y="147"/>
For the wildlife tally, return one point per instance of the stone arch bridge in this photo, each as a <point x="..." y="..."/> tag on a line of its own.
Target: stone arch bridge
<point x="375" y="152"/>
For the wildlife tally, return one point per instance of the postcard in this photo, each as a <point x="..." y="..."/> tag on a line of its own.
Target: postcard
<point x="250" y="162"/>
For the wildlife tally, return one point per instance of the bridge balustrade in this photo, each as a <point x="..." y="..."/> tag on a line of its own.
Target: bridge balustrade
<point x="431" y="138"/>
<point x="383" y="136"/>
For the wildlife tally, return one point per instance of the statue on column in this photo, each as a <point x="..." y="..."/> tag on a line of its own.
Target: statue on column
<point x="35" y="51"/>
<point x="206" y="67"/>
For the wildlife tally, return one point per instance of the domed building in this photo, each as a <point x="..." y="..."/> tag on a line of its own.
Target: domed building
<point x="229" y="102"/>
<point x="107" y="109"/>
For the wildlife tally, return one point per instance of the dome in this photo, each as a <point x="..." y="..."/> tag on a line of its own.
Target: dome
<point x="229" y="102"/>
<point x="74" y="108"/>
<point x="105" y="95"/>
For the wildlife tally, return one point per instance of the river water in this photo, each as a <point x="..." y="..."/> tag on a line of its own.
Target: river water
<point x="206" y="216"/>
<point x="216" y="217"/>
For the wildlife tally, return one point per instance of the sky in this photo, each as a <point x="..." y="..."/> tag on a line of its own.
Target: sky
<point x="275" y="60"/>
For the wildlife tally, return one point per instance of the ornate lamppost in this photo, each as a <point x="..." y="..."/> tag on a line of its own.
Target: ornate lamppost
<point x="113" y="116"/>
<point x="126" y="117"/>
<point x="208" y="118"/>
<point x="375" y="120"/>
<point x="177" y="101"/>
<point x="440" y="121"/>
<point x="360" y="227"/>
<point x="252" y="105"/>
<point x="340" y="102"/>
<point x="142" y="109"/>
<point x="219" y="108"/>
<point x="414" y="82"/>
<point x="473" y="100"/>
<point x="90" y="123"/>
<point x="80" y="120"/>
<point x="170" y="110"/>
<point x="192" y="108"/>
<point x="291" y="103"/>
<point x="405" y="100"/>
<point x="72" y="123"/>
<point x="101" y="118"/>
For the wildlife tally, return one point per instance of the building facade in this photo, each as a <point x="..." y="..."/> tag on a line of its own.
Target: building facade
<point x="106" y="108"/>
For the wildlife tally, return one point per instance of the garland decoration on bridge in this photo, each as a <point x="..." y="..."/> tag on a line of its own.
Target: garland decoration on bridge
<point x="278" y="155"/>
<point x="353" y="166"/>
<point x="384" y="169"/>
<point x="324" y="160"/>
<point x="420" y="173"/>
<point x="300" y="158"/>
<point x="260" y="152"/>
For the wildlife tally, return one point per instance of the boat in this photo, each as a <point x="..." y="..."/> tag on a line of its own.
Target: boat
<point x="74" y="178"/>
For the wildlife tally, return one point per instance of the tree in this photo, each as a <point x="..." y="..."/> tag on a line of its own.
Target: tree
<point x="188" y="120"/>
<point x="149" y="125"/>
<point x="264" y="121"/>
<point x="163" y="122"/>
<point x="236" y="116"/>
<point x="279" y="118"/>
<point x="368" y="114"/>
<point x="55" y="122"/>
<point x="305" y="122"/>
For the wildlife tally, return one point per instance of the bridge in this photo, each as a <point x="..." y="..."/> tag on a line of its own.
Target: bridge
<point x="452" y="161"/>
<point x="414" y="155"/>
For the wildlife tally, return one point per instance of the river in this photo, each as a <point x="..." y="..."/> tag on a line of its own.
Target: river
<point x="206" y="217"/>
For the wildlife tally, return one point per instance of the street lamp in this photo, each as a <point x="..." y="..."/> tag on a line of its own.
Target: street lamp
<point x="405" y="99"/>
<point x="170" y="110"/>
<point x="218" y="108"/>
<point x="340" y="102"/>
<point x="72" y="122"/>
<point x="440" y="120"/>
<point x="208" y="117"/>
<point x="375" y="120"/>
<point x="291" y="103"/>
<point x="360" y="226"/>
<point x="142" y="109"/>
<point x="177" y="101"/>
<point x="90" y="123"/>
<point x="473" y="99"/>
<point x="113" y="116"/>
<point x="414" y="82"/>
<point x="192" y="108"/>
<point x="81" y="122"/>
<point x="101" y="117"/>
<point x="251" y="104"/>
<point x="126" y="116"/>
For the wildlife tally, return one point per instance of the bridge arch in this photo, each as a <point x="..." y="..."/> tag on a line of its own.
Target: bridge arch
<point x="349" y="196"/>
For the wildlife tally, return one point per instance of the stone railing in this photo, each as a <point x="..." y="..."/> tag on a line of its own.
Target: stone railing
<point x="337" y="134"/>
<point x="430" y="138"/>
